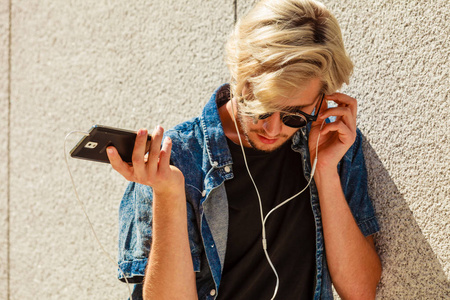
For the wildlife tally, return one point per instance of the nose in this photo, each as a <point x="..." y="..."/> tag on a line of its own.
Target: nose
<point x="273" y="125"/>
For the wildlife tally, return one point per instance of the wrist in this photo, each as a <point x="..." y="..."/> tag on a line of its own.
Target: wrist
<point x="325" y="174"/>
<point x="171" y="189"/>
<point x="169" y="212"/>
<point x="168" y="193"/>
<point x="170" y="200"/>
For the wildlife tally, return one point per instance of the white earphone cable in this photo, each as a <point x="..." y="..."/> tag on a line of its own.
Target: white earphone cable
<point x="85" y="213"/>
<point x="264" y="219"/>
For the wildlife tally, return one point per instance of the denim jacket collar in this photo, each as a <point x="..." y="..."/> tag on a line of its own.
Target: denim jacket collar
<point x="214" y="136"/>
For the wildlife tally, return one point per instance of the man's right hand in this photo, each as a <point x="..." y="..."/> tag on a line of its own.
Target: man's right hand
<point x="154" y="170"/>
<point x="170" y="272"/>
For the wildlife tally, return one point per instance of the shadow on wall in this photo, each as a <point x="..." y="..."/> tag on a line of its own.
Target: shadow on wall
<point x="411" y="270"/>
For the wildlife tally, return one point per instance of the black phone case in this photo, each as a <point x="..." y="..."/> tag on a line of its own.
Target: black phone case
<point x="93" y="147"/>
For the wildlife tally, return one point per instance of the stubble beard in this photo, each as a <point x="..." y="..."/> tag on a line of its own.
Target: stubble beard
<point x="245" y="132"/>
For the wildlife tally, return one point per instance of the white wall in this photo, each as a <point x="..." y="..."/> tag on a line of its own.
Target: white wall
<point x="79" y="63"/>
<point x="135" y="64"/>
<point x="4" y="115"/>
<point x="401" y="49"/>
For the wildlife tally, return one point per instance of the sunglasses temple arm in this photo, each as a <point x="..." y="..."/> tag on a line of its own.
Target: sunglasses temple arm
<point x="320" y="106"/>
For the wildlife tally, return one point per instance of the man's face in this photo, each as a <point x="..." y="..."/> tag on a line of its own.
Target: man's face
<point x="270" y="133"/>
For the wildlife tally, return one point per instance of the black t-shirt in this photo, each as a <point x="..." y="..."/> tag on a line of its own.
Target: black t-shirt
<point x="290" y="229"/>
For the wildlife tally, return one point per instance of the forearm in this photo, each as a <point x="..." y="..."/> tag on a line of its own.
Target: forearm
<point x="354" y="265"/>
<point x="170" y="273"/>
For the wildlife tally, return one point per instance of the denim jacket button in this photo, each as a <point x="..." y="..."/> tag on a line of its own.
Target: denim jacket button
<point x="227" y="169"/>
<point x="204" y="193"/>
<point x="212" y="292"/>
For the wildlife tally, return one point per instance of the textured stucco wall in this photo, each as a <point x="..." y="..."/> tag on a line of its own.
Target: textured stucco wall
<point x="400" y="50"/>
<point x="79" y="63"/>
<point x="4" y="116"/>
<point x="139" y="64"/>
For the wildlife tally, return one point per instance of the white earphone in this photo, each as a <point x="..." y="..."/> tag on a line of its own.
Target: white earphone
<point x="264" y="219"/>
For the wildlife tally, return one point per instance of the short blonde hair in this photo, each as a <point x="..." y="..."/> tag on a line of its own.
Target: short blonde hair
<point x="282" y="44"/>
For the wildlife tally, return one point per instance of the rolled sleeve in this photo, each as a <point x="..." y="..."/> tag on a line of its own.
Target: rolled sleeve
<point x="135" y="232"/>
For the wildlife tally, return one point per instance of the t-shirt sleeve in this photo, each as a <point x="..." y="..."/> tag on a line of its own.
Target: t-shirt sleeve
<point x="353" y="174"/>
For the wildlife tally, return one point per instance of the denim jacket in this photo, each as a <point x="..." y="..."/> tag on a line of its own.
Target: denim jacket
<point x="200" y="151"/>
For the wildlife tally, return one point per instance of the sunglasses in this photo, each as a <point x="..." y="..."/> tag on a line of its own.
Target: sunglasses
<point x="297" y="119"/>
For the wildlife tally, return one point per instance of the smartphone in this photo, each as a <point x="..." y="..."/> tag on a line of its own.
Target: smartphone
<point x="93" y="147"/>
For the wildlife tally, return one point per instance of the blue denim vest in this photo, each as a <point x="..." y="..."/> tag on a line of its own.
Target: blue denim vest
<point x="200" y="151"/>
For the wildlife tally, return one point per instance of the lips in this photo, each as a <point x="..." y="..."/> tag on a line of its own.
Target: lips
<point x="266" y="140"/>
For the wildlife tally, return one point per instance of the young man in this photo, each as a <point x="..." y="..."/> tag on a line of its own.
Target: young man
<point x="192" y="217"/>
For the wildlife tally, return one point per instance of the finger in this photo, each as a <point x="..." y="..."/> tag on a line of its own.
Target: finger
<point x="138" y="155"/>
<point x="164" y="157"/>
<point x="118" y="164"/>
<point x="155" y="149"/>
<point x="342" y="113"/>
<point x="139" y="147"/>
<point x="345" y="135"/>
<point x="344" y="100"/>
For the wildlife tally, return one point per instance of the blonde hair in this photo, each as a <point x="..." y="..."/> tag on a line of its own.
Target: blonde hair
<point x="279" y="46"/>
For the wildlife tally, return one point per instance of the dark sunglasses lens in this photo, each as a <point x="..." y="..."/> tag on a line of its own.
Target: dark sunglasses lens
<point x="295" y="121"/>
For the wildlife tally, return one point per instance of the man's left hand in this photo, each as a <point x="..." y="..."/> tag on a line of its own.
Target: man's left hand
<point x="336" y="137"/>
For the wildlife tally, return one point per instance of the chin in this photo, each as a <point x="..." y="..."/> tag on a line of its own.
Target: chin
<point x="267" y="149"/>
<point x="267" y="146"/>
